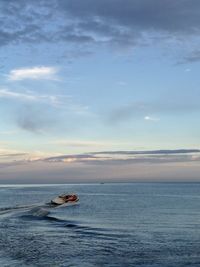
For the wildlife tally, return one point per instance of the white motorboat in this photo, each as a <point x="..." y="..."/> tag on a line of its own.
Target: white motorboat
<point x="65" y="199"/>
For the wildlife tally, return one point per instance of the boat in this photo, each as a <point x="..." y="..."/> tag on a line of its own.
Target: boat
<point x="65" y="199"/>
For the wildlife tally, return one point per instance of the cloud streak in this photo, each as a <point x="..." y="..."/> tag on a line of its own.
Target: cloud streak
<point x="54" y="100"/>
<point x="34" y="73"/>
<point x="130" y="157"/>
<point x="172" y="155"/>
<point x="149" y="118"/>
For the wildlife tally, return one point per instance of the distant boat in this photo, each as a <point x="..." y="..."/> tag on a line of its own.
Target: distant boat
<point x="64" y="199"/>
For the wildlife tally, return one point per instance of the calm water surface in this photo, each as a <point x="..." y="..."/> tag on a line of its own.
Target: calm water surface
<point x="138" y="224"/>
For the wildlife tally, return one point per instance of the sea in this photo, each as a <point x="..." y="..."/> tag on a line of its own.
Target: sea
<point x="112" y="225"/>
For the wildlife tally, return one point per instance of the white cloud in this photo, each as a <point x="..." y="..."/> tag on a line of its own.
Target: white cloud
<point x="35" y="73"/>
<point x="148" y="118"/>
<point x="58" y="101"/>
<point x="54" y="100"/>
<point x="4" y="93"/>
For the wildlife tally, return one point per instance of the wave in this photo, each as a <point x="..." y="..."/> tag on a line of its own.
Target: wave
<point x="42" y="212"/>
<point x="38" y="209"/>
<point x="5" y="210"/>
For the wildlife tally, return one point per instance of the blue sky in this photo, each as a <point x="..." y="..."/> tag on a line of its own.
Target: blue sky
<point x="82" y="77"/>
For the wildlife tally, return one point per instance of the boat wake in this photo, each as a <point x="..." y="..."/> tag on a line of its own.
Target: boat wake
<point x="29" y="213"/>
<point x="8" y="210"/>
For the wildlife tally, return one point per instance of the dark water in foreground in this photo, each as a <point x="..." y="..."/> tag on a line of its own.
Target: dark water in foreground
<point x="113" y="225"/>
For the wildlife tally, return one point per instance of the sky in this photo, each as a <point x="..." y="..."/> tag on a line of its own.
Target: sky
<point x="99" y="90"/>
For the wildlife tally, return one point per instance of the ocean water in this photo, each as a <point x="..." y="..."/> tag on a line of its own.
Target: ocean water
<point x="136" y="224"/>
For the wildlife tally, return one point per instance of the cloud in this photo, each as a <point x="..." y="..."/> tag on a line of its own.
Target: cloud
<point x="192" y="57"/>
<point x="148" y="118"/>
<point x="112" y="157"/>
<point x="79" y="143"/>
<point x="35" y="119"/>
<point x="142" y="15"/>
<point x="35" y="112"/>
<point x="152" y="152"/>
<point x="155" y="165"/>
<point x="177" y="104"/>
<point x="54" y="100"/>
<point x="8" y="155"/>
<point x="130" y="157"/>
<point x="125" y="23"/>
<point x="5" y="93"/>
<point x="35" y="73"/>
<point x="126" y="112"/>
<point x="13" y="155"/>
<point x="36" y="172"/>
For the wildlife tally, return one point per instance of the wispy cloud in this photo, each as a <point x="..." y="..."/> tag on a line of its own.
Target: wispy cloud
<point x="186" y="103"/>
<point x="130" y="157"/>
<point x="77" y="143"/>
<point x="192" y="57"/>
<point x="34" y="120"/>
<point x="11" y="155"/>
<point x="6" y="93"/>
<point x="64" y="101"/>
<point x="152" y="152"/>
<point x="122" y="113"/>
<point x="149" y="118"/>
<point x="34" y="73"/>
<point x="35" y="112"/>
<point x="54" y="100"/>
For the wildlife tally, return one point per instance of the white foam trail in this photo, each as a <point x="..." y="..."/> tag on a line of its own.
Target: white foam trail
<point x="39" y="212"/>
